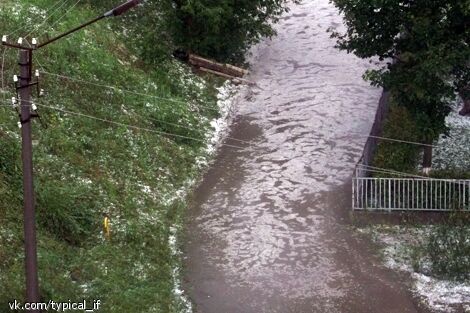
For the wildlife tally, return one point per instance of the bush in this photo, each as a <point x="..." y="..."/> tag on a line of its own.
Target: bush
<point x="222" y="29"/>
<point x="448" y="249"/>
<point x="394" y="155"/>
<point x="450" y="174"/>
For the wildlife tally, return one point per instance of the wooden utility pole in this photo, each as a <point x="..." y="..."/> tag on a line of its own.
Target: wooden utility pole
<point x="31" y="264"/>
<point x="26" y="114"/>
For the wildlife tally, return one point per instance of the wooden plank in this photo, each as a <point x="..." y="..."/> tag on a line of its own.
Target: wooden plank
<point x="215" y="66"/>
<point x="235" y="79"/>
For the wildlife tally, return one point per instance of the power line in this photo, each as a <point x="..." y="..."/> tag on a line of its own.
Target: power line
<point x="130" y="126"/>
<point x="389" y="171"/>
<point x="403" y="141"/>
<point x="393" y="172"/>
<point x="149" y="118"/>
<point x="39" y="63"/>
<point x="125" y="91"/>
<point x="46" y="19"/>
<point x="127" y="125"/>
<point x="177" y="101"/>
<point x="62" y="16"/>
<point x="25" y="24"/>
<point x="3" y="70"/>
<point x="366" y="167"/>
<point x="386" y="170"/>
<point x="165" y="122"/>
<point x="187" y="127"/>
<point x="161" y="121"/>
<point x="389" y="139"/>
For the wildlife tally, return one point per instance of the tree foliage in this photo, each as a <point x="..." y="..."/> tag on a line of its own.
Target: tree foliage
<point x="428" y="41"/>
<point x="222" y="29"/>
<point x="225" y="28"/>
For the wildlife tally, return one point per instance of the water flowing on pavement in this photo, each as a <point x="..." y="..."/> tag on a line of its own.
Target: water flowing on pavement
<point x="269" y="227"/>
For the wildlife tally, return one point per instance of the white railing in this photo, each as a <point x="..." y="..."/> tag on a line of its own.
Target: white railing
<point x="409" y="194"/>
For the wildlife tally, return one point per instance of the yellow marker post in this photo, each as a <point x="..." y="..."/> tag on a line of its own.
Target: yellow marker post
<point x="106" y="227"/>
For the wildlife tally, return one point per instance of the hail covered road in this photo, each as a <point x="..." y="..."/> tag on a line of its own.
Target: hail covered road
<point x="269" y="228"/>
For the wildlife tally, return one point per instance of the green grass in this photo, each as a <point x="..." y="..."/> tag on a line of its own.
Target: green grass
<point x="447" y="251"/>
<point x="84" y="168"/>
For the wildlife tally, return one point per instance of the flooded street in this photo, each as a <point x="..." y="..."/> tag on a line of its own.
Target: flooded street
<point x="269" y="227"/>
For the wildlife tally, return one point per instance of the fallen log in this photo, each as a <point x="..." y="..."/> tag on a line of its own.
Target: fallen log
<point x="200" y="62"/>
<point x="233" y="78"/>
<point x="215" y="66"/>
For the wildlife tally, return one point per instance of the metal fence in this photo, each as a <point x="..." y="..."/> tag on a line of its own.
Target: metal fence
<point x="407" y="193"/>
<point x="410" y="194"/>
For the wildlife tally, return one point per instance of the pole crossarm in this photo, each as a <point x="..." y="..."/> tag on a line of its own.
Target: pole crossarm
<point x="17" y="46"/>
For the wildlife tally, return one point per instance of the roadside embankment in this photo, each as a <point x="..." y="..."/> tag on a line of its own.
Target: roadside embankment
<point x="123" y="139"/>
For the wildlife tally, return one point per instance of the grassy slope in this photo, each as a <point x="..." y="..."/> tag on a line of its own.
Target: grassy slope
<point x="85" y="167"/>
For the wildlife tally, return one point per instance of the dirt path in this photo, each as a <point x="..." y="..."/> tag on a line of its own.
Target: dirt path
<point x="269" y="226"/>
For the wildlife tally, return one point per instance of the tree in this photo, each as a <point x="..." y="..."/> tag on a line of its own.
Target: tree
<point x="224" y="29"/>
<point x="428" y="41"/>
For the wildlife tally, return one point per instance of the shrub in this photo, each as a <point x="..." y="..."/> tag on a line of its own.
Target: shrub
<point x="450" y="174"/>
<point x="448" y="249"/>
<point x="394" y="155"/>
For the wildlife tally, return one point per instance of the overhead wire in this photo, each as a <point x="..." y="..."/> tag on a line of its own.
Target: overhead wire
<point x="46" y="17"/>
<point x="179" y="125"/>
<point x="386" y="172"/>
<point x="363" y="166"/>
<point x="63" y="15"/>
<point x="175" y="124"/>
<point x="409" y="175"/>
<point x="125" y="90"/>
<point x="388" y="139"/>
<point x="187" y="127"/>
<point x="39" y="63"/>
<point x="3" y="71"/>
<point x="369" y="168"/>
<point x="128" y="125"/>
<point x="177" y="101"/>
<point x="389" y="171"/>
